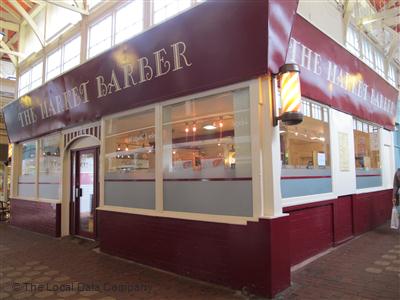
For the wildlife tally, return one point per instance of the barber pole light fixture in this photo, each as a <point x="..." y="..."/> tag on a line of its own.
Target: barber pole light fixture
<point x="289" y="80"/>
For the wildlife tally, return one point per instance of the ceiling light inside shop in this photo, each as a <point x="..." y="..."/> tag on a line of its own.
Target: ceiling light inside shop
<point x="209" y="127"/>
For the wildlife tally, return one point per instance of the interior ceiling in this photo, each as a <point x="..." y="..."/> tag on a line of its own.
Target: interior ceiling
<point x="14" y="13"/>
<point x="380" y="20"/>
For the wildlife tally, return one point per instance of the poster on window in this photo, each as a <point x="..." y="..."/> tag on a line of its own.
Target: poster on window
<point x="344" y="165"/>
<point x="374" y="141"/>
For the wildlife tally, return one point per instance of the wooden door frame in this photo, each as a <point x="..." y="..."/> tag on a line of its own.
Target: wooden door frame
<point x="74" y="219"/>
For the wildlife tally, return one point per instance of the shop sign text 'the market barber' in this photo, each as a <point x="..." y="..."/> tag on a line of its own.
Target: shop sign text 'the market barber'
<point x="132" y="74"/>
<point x="332" y="75"/>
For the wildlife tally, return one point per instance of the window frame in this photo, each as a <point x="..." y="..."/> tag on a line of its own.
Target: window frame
<point x="29" y="85"/>
<point x="252" y="86"/>
<point x="379" y="130"/>
<point x="17" y="153"/>
<point x="296" y="200"/>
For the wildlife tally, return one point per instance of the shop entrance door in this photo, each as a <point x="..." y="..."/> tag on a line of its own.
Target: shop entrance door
<point x="84" y="192"/>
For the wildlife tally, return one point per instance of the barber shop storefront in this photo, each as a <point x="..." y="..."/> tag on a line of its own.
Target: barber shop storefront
<point x="169" y="150"/>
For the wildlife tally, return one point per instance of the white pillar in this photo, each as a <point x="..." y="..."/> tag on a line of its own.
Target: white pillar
<point x="270" y="150"/>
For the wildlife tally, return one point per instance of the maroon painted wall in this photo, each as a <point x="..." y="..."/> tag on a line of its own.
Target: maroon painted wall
<point x="36" y="216"/>
<point x="315" y="227"/>
<point x="254" y="256"/>
<point x="311" y="231"/>
<point x="343" y="221"/>
<point x="371" y="210"/>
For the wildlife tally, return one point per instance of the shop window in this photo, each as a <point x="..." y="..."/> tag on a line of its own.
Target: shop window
<point x="163" y="9"/>
<point x="100" y="36"/>
<point x="130" y="161"/>
<point x="128" y="21"/>
<point x="367" y="155"/>
<point x="207" y="155"/>
<point x="49" y="167"/>
<point x="305" y="153"/>
<point x="27" y="174"/>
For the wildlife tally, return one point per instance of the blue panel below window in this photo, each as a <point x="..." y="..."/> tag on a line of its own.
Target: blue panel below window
<point x="305" y="186"/>
<point x="363" y="182"/>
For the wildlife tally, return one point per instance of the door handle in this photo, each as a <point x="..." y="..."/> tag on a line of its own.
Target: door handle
<point x="78" y="192"/>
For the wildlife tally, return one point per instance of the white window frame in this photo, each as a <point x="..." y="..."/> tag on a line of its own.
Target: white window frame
<point x="158" y="211"/>
<point x="89" y="29"/>
<point x="16" y="166"/>
<point x="299" y="200"/>
<point x="29" y="72"/>
<point x="381" y="149"/>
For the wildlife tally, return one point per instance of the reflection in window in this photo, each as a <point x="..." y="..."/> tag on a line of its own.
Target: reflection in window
<point x="49" y="167"/>
<point x="367" y="155"/>
<point x="49" y="157"/>
<point x="27" y="175"/>
<point x="28" y="165"/>
<point x="130" y="147"/>
<point x="163" y="9"/>
<point x="130" y="161"/>
<point x="129" y="21"/>
<point x="100" y="36"/>
<point x="207" y="138"/>
<point x="207" y="155"/>
<point x="305" y="153"/>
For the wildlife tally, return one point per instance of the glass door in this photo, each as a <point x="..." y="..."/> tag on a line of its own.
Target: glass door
<point x="85" y="192"/>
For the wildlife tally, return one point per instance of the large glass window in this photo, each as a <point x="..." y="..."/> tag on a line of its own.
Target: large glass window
<point x="305" y="153"/>
<point x="53" y="64"/>
<point x="163" y="9"/>
<point x="27" y="174"/>
<point x="49" y="167"/>
<point x="72" y="52"/>
<point x="129" y="21"/>
<point x="368" y="53"/>
<point x="392" y="74"/>
<point x="207" y="155"/>
<point x="367" y="155"/>
<point x="24" y="83"/>
<point x="352" y="42"/>
<point x="100" y="36"/>
<point x="36" y="77"/>
<point x="30" y="79"/>
<point x="130" y="161"/>
<point x="379" y="64"/>
<point x="64" y="58"/>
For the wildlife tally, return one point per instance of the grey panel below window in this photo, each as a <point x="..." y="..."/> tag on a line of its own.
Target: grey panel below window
<point x="232" y="198"/>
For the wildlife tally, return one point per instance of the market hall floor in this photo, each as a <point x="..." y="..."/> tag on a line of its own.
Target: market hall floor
<point x="368" y="267"/>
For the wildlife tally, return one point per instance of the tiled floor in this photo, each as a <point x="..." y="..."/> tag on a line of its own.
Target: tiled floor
<point x="34" y="266"/>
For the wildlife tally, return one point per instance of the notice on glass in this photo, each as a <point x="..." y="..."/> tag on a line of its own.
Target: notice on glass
<point x="321" y="159"/>
<point x="344" y="164"/>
